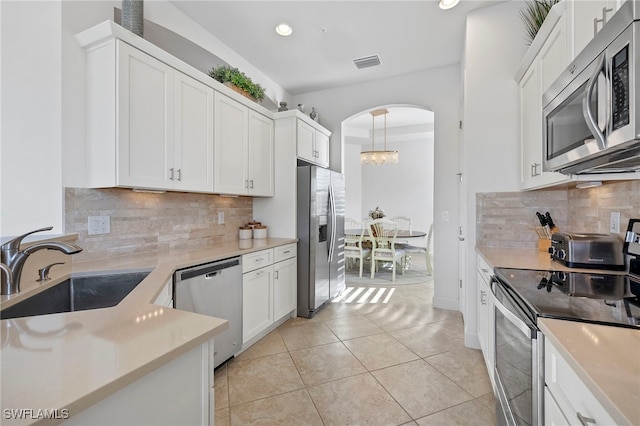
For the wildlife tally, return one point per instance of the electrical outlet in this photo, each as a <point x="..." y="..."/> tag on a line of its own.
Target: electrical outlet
<point x="614" y="223"/>
<point x="220" y="218"/>
<point x="99" y="225"/>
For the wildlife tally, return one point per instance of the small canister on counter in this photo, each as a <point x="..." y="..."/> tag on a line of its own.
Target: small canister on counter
<point x="245" y="233"/>
<point x="253" y="224"/>
<point x="259" y="232"/>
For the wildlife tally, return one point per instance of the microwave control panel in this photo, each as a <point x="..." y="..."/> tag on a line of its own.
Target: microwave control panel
<point x="620" y="88"/>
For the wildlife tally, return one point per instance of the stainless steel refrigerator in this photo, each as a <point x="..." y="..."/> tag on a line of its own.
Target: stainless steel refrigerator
<point x="321" y="211"/>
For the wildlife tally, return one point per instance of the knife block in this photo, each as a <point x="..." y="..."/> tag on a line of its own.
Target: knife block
<point x="544" y="245"/>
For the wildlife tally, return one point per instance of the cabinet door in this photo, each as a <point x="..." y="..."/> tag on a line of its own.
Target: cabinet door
<point x="145" y="125"/>
<point x="530" y="125"/>
<point x="306" y="142"/>
<point x="589" y="16"/>
<point x="554" y="55"/>
<point x="261" y="150"/>
<point x="284" y="287"/>
<point x="193" y="134"/>
<point x="257" y="302"/>
<point x="322" y="149"/>
<point x="230" y="146"/>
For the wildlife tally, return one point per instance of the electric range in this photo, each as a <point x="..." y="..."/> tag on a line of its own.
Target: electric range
<point x="595" y="297"/>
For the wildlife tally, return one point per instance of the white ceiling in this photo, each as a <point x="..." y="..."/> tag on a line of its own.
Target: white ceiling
<point x="408" y="36"/>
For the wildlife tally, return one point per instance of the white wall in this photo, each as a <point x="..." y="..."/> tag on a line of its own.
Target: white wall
<point x="437" y="90"/>
<point x="494" y="47"/>
<point x="353" y="180"/>
<point x="403" y="189"/>
<point x="31" y="188"/>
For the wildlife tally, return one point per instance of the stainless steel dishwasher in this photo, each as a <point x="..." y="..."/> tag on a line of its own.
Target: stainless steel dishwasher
<point x="214" y="289"/>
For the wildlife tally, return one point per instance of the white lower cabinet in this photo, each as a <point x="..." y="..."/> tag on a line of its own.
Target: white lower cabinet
<point x="268" y="289"/>
<point x="485" y="315"/>
<point x="257" y="302"/>
<point x="165" y="298"/>
<point x="567" y="392"/>
<point x="178" y="393"/>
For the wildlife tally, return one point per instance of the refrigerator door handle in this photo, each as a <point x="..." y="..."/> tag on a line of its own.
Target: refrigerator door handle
<point x="332" y="219"/>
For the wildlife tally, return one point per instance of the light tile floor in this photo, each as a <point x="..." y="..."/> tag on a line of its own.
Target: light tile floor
<point x="365" y="360"/>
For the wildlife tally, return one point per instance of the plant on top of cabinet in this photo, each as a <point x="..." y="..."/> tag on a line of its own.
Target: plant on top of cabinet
<point x="533" y="16"/>
<point x="227" y="74"/>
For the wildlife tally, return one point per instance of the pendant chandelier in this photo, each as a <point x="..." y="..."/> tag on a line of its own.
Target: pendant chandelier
<point x="379" y="157"/>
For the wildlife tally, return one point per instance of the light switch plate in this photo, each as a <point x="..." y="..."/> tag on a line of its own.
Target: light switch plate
<point x="99" y="225"/>
<point x="220" y="218"/>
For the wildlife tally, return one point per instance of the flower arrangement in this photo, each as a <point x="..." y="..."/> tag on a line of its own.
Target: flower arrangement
<point x="227" y="74"/>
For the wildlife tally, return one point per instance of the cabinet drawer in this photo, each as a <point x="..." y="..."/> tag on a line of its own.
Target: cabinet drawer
<point x="569" y="391"/>
<point x="484" y="269"/>
<point x="285" y="252"/>
<point x="259" y="259"/>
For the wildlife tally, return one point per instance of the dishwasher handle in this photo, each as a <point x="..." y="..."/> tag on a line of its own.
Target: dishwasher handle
<point x="209" y="271"/>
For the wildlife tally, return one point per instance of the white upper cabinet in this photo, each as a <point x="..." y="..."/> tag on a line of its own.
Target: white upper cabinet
<point x="551" y="60"/>
<point x="588" y="17"/>
<point x="313" y="144"/>
<point x="155" y="122"/>
<point x="261" y="155"/>
<point x="243" y="157"/>
<point x="149" y="125"/>
<point x="231" y="141"/>
<point x="193" y="134"/>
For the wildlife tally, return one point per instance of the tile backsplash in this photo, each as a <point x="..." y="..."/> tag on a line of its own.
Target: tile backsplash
<point x="144" y="222"/>
<point x="508" y="220"/>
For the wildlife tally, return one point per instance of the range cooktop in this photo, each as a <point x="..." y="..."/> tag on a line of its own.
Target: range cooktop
<point x="594" y="297"/>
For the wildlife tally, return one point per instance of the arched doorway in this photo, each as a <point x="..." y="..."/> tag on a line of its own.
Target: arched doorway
<point x="403" y="189"/>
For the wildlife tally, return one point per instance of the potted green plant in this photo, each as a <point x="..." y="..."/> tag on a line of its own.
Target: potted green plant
<point x="235" y="77"/>
<point x="534" y="14"/>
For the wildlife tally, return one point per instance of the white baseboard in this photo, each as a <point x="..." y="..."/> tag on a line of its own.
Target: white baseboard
<point x="446" y="303"/>
<point x="471" y="340"/>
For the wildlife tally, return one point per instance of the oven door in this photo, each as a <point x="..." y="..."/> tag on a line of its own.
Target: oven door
<point x="519" y="368"/>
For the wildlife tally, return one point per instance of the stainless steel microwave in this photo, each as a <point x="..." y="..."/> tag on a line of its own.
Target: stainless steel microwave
<point x="591" y="113"/>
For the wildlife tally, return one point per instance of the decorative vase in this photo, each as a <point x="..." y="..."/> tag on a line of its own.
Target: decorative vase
<point x="133" y="16"/>
<point x="283" y="107"/>
<point x="313" y="114"/>
<point x="301" y="107"/>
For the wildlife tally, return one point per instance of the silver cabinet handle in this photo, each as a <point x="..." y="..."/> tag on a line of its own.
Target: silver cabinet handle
<point x="179" y="174"/>
<point x="485" y="270"/>
<point x="483" y="297"/>
<point x="584" y="421"/>
<point x="251" y="184"/>
<point x="533" y="173"/>
<point x="171" y="173"/>
<point x="461" y="238"/>
<point x="246" y="183"/>
<point x="260" y="259"/>
<point x="276" y="275"/>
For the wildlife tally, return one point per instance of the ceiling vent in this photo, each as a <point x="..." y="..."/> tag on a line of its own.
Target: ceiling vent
<point x="367" y="61"/>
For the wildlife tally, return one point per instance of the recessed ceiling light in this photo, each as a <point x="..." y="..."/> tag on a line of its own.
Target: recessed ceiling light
<point x="284" y="30"/>
<point x="448" y="4"/>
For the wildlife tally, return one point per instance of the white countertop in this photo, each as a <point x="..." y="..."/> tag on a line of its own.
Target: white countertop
<point x="606" y="358"/>
<point x="73" y="360"/>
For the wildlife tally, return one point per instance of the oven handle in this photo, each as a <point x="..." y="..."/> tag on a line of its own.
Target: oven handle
<point x="586" y="103"/>
<point x="520" y="325"/>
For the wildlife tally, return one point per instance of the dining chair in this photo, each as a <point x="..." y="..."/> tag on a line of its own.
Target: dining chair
<point x="382" y="233"/>
<point x="353" y="237"/>
<point x="404" y="224"/>
<point x="422" y="250"/>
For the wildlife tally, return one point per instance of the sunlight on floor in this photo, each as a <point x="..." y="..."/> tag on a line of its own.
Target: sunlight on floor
<point x="350" y="294"/>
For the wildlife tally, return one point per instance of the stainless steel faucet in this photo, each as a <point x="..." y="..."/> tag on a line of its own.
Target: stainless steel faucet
<point x="14" y="259"/>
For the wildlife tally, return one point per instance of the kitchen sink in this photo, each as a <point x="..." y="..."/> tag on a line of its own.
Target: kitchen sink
<point x="77" y="294"/>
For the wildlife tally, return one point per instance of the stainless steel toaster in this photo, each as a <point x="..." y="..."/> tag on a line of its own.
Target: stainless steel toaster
<point x="593" y="251"/>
